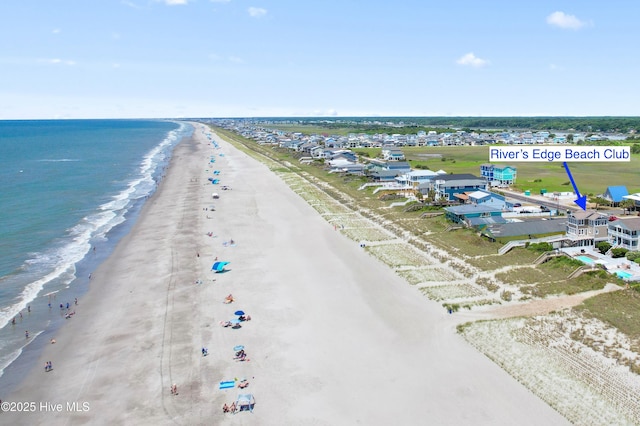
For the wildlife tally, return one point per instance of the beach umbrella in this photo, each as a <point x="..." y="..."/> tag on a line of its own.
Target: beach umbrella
<point x="238" y="348"/>
<point x="216" y="172"/>
<point x="238" y="313"/>
<point x="219" y="266"/>
<point x="215" y="181"/>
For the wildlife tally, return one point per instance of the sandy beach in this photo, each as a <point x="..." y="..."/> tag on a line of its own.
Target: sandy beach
<point x="335" y="336"/>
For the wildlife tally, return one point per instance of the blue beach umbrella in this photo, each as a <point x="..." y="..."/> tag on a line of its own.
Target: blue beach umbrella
<point x="216" y="172"/>
<point x="238" y="348"/>
<point x="215" y="181"/>
<point x="238" y="313"/>
<point x="219" y="266"/>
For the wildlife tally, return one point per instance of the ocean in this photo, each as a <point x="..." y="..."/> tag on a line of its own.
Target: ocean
<point x="70" y="189"/>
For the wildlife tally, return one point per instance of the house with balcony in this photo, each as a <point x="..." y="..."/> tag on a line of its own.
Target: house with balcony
<point x="415" y="178"/>
<point x="625" y="233"/>
<point x="498" y="175"/>
<point x="586" y="228"/>
<point x="447" y="186"/>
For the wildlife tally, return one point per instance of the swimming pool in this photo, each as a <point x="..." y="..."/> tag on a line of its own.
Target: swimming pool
<point x="585" y="259"/>
<point x="624" y="275"/>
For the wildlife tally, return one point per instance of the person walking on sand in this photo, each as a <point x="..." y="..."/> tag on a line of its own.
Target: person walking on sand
<point x="26" y="334"/>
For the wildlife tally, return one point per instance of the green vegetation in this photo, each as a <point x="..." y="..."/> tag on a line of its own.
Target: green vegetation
<point x="618" y="308"/>
<point x="603" y="247"/>
<point x="618" y="252"/>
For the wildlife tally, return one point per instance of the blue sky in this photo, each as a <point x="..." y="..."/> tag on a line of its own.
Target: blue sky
<point x="255" y="58"/>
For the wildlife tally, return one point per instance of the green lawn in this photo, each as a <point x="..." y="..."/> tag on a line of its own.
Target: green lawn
<point x="591" y="178"/>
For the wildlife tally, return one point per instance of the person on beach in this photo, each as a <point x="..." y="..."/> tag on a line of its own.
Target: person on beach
<point x="13" y="321"/>
<point x="174" y="389"/>
<point x="29" y="308"/>
<point x="205" y="351"/>
<point x="76" y="301"/>
<point x="26" y="334"/>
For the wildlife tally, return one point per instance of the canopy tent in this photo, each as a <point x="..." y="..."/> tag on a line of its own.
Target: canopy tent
<point x="219" y="266"/>
<point x="216" y="172"/>
<point x="245" y="402"/>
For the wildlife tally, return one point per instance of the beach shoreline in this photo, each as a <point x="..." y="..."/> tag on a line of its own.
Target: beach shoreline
<point x="335" y="337"/>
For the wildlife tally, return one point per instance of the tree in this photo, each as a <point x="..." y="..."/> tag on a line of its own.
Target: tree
<point x="627" y="205"/>
<point x="570" y="137"/>
<point x="598" y="201"/>
<point x="603" y="247"/>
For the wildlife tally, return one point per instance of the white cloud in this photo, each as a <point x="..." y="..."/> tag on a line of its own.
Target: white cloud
<point x="175" y="2"/>
<point x="257" y="12"/>
<point x="472" y="60"/>
<point x="562" y="20"/>
<point x="57" y="61"/>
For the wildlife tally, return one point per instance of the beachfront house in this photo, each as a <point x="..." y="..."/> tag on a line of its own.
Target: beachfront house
<point x="415" y="178"/>
<point x="447" y="186"/>
<point x="586" y="228"/>
<point x="625" y="233"/>
<point x="498" y="175"/>
<point x="474" y="215"/>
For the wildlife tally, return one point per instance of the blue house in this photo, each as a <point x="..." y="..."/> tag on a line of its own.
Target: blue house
<point x="447" y="186"/>
<point x="497" y="174"/>
<point x="474" y="215"/>
<point x="615" y="194"/>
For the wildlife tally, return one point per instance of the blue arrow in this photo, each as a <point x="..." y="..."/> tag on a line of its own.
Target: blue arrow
<point x="582" y="199"/>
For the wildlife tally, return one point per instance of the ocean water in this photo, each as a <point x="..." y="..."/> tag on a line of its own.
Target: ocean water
<point x="68" y="191"/>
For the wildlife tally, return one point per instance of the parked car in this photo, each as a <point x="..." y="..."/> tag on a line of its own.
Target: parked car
<point x="517" y="205"/>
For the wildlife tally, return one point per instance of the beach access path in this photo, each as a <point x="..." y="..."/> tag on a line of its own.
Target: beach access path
<point x="336" y="337"/>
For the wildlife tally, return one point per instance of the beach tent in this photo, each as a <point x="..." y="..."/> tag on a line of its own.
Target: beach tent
<point x="219" y="266"/>
<point x="215" y="195"/>
<point x="216" y="172"/>
<point x="215" y="181"/>
<point x="245" y="402"/>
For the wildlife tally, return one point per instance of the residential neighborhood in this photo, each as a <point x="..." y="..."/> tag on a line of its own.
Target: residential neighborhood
<point x="481" y="202"/>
